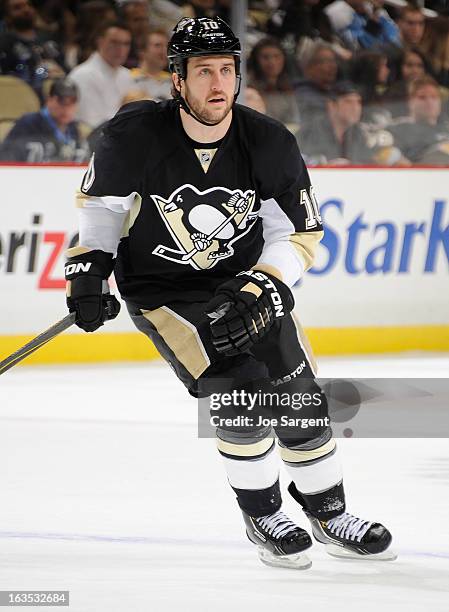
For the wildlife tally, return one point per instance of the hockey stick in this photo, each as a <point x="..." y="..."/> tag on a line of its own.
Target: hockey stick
<point x="185" y="257"/>
<point x="37" y="342"/>
<point x="111" y="310"/>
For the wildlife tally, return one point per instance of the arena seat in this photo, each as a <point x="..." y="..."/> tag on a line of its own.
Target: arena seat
<point x="16" y="98"/>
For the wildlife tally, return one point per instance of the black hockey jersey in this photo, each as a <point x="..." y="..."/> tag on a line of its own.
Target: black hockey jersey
<point x="197" y="214"/>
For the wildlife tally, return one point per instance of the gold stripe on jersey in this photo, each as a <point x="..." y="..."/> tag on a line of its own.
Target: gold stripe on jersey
<point x="133" y="212"/>
<point x="205" y="157"/>
<point x="305" y="244"/>
<point x="77" y="250"/>
<point x="132" y="215"/>
<point x="181" y="337"/>
<point x="269" y="270"/>
<point x="245" y="450"/>
<point x="300" y="456"/>
<point x="305" y="344"/>
<point x="80" y="198"/>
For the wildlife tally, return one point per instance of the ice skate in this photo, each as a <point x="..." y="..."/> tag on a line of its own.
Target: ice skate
<point x="347" y="536"/>
<point x="279" y="541"/>
<point x="350" y="537"/>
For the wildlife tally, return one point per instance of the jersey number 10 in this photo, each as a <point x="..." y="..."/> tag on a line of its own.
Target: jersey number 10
<point x="210" y="25"/>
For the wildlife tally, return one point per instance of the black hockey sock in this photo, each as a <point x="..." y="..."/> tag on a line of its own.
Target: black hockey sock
<point x="324" y="505"/>
<point x="260" y="502"/>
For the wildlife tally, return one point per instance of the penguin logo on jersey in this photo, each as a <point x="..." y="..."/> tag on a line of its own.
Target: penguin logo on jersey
<point x="204" y="224"/>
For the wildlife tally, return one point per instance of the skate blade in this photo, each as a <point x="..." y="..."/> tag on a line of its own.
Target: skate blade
<point x="298" y="561"/>
<point x="344" y="553"/>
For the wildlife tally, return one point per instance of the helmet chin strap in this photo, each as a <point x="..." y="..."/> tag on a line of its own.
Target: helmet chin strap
<point x="183" y="104"/>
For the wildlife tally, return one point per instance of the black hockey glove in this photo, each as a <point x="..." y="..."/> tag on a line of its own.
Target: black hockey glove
<point x="244" y="310"/>
<point x="86" y="277"/>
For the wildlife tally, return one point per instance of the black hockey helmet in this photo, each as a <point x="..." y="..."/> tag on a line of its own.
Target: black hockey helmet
<point x="201" y="36"/>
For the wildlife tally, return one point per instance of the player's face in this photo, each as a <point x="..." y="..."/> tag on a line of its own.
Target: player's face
<point x="425" y="105"/>
<point x="209" y="87"/>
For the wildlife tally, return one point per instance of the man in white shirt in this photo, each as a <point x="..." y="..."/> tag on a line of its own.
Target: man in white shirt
<point x="102" y="80"/>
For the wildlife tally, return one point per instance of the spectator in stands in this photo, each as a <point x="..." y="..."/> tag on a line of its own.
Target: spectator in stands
<point x="25" y="51"/>
<point x="102" y="80"/>
<point x="254" y="100"/>
<point x="57" y="17"/>
<point x="320" y="70"/>
<point x="340" y="139"/>
<point x="410" y="65"/>
<point x="50" y="135"/>
<point x="135" y="15"/>
<point x="301" y="23"/>
<point x="411" y="23"/>
<point x="423" y="136"/>
<point x="370" y="71"/>
<point x="362" y="24"/>
<point x="151" y="77"/>
<point x="303" y="19"/>
<point x="268" y="74"/>
<point x="91" y="16"/>
<point x="435" y="47"/>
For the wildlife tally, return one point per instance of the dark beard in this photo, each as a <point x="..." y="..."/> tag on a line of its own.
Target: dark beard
<point x="204" y="115"/>
<point x="21" y="24"/>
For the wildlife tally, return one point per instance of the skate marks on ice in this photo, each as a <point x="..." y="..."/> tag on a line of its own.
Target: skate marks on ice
<point x="140" y="574"/>
<point x="168" y="541"/>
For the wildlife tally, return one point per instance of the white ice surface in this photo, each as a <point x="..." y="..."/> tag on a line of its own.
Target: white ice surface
<point x="106" y="491"/>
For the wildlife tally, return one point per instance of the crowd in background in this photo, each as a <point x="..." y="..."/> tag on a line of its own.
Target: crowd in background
<point x="356" y="81"/>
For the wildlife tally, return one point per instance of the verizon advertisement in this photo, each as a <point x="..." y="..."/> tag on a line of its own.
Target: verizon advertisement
<point x="384" y="259"/>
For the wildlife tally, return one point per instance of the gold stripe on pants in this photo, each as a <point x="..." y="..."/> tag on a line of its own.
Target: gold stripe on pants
<point x="181" y="337"/>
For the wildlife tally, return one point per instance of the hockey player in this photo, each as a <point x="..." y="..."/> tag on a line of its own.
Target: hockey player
<point x="204" y="210"/>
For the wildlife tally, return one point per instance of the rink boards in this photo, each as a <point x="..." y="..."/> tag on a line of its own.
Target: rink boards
<point x="379" y="284"/>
